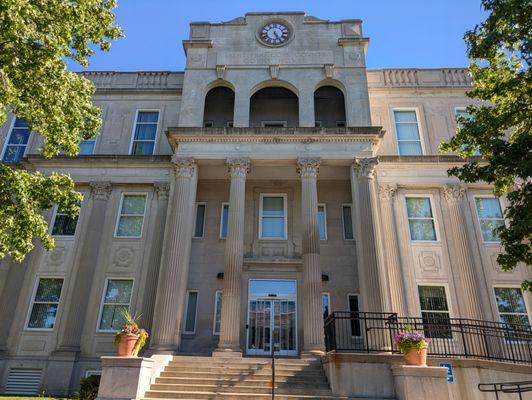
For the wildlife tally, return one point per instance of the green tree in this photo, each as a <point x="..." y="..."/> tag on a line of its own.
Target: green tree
<point x="36" y="38"/>
<point x="500" y="127"/>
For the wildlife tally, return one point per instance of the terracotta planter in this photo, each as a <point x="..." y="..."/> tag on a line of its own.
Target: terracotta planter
<point x="413" y="357"/>
<point x="126" y="345"/>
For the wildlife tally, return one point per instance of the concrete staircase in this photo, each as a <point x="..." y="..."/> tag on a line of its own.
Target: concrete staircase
<point x="246" y="378"/>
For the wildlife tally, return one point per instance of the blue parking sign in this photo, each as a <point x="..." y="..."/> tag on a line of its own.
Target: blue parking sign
<point x="450" y="376"/>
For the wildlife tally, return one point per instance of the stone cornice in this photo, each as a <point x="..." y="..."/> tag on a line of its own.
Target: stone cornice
<point x="438" y="158"/>
<point x="122" y="160"/>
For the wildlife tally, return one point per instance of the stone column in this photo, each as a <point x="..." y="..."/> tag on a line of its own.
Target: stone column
<point x="391" y="246"/>
<point x="313" y="337"/>
<point x="70" y="338"/>
<point x="463" y="260"/>
<point x="173" y="275"/>
<point x="371" y="289"/>
<point x="233" y="261"/>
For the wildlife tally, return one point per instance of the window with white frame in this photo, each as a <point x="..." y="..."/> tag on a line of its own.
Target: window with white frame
<point x="435" y="312"/>
<point x="273" y="221"/>
<point x="86" y="147"/>
<point x="217" y="312"/>
<point x="326" y="304"/>
<point x="322" y="221"/>
<point x="145" y="132"/>
<point x="199" y="225"/>
<point x="191" y="309"/>
<point x="64" y="225"/>
<point x="407" y="130"/>
<point x="224" y="220"/>
<point x="347" y="222"/>
<point x="490" y="217"/>
<point x="116" y="300"/>
<point x="420" y="218"/>
<point x="354" y="316"/>
<point x="131" y="216"/>
<point x="511" y="306"/>
<point x="45" y="303"/>
<point x="17" y="142"/>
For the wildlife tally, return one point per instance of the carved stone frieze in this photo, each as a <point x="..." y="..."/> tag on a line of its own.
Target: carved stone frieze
<point x="453" y="193"/>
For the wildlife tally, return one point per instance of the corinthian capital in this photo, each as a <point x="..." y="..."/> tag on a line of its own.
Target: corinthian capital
<point x="185" y="167"/>
<point x="238" y="167"/>
<point x="162" y="189"/>
<point x="387" y="192"/>
<point x="365" y="167"/>
<point x="308" y="167"/>
<point x="453" y="193"/>
<point x="100" y="190"/>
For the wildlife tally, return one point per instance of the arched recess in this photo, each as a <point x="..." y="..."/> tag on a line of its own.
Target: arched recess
<point x="272" y="106"/>
<point x="219" y="107"/>
<point x="329" y="107"/>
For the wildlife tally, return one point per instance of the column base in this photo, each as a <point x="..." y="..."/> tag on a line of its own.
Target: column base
<point x="227" y="353"/>
<point x="161" y="349"/>
<point x="315" y="353"/>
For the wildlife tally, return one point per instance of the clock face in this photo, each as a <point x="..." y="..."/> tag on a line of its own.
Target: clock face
<point x="274" y="33"/>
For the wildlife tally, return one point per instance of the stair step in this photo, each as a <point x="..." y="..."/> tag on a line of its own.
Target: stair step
<point x="240" y="375"/>
<point x="241" y="387"/>
<point x="243" y="367"/>
<point x="252" y="380"/>
<point x="234" y="396"/>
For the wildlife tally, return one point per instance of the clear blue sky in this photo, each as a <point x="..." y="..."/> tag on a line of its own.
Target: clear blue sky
<point x="403" y="33"/>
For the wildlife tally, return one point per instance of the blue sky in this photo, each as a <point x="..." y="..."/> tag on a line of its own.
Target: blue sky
<point x="403" y="33"/>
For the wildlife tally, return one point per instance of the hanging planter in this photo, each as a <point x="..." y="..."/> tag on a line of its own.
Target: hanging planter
<point x="130" y="339"/>
<point x="414" y="347"/>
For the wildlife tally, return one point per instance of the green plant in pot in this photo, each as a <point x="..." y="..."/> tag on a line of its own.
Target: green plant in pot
<point x="413" y="346"/>
<point x="130" y="339"/>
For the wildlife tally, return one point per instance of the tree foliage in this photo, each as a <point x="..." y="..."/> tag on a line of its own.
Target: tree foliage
<point x="500" y="126"/>
<point x="36" y="37"/>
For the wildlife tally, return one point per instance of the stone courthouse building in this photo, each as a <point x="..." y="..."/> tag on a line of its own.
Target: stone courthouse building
<point x="236" y="203"/>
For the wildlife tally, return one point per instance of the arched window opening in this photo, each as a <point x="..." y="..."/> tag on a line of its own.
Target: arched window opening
<point x="274" y="107"/>
<point x="219" y="108"/>
<point x="329" y="107"/>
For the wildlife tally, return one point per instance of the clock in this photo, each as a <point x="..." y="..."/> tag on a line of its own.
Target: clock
<point x="275" y="33"/>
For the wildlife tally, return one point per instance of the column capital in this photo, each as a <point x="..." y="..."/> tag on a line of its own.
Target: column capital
<point x="161" y="189"/>
<point x="365" y="167"/>
<point x="100" y="190"/>
<point x="453" y="193"/>
<point x="308" y="167"/>
<point x="387" y="192"/>
<point x="185" y="167"/>
<point x="238" y="167"/>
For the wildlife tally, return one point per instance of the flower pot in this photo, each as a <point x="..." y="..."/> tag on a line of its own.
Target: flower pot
<point x="127" y="344"/>
<point x="413" y="357"/>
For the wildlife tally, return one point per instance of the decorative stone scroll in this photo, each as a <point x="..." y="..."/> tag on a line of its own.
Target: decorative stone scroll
<point x="220" y="71"/>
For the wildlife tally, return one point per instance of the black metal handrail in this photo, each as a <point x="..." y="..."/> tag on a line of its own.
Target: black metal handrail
<point x="450" y="337"/>
<point x="506" y="387"/>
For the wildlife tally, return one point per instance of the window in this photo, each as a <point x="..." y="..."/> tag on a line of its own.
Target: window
<point x="208" y="124"/>
<point x="340" y="124"/>
<point x="45" y="303"/>
<point x="190" y="315"/>
<point x="490" y="217"/>
<point x="318" y="124"/>
<point x="224" y="219"/>
<point x="86" y="147"/>
<point x="511" y="306"/>
<point x="407" y="130"/>
<point x="145" y="132"/>
<point x="355" y="321"/>
<point x="326" y="304"/>
<point x="273" y="124"/>
<point x="199" y="227"/>
<point x="116" y="300"/>
<point x="217" y="312"/>
<point x="322" y="221"/>
<point x="229" y="124"/>
<point x="435" y="312"/>
<point x="273" y="224"/>
<point x="347" y="222"/>
<point x="420" y="218"/>
<point x="63" y="224"/>
<point x="131" y="217"/>
<point x="17" y="142"/>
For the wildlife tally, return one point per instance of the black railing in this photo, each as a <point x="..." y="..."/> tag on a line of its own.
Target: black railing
<point x="506" y="387"/>
<point x="450" y="337"/>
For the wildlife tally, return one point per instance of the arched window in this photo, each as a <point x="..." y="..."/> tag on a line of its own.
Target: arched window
<point x="219" y="107"/>
<point x="329" y="107"/>
<point x="274" y="107"/>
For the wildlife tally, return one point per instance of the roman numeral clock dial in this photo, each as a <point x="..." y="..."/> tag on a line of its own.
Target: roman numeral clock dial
<point x="274" y="34"/>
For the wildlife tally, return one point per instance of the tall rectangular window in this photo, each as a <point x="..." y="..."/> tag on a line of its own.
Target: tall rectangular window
<point x="322" y="221"/>
<point x="64" y="225"/>
<point x="217" y="312"/>
<point x="45" y="303"/>
<point x="273" y="221"/>
<point x="435" y="312"/>
<point x="326" y="304"/>
<point x="199" y="226"/>
<point x="116" y="300"/>
<point x="511" y="306"/>
<point x="131" y="217"/>
<point x="420" y="218"/>
<point x="347" y="222"/>
<point x="145" y="132"/>
<point x="191" y="309"/>
<point x="407" y="129"/>
<point x="224" y="219"/>
<point x="86" y="147"/>
<point x="17" y="142"/>
<point x="354" y="317"/>
<point x="490" y="217"/>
